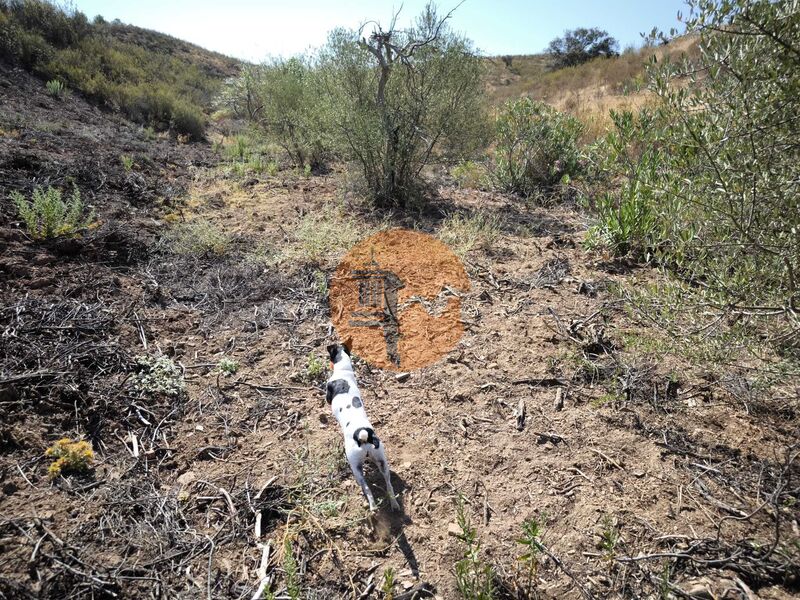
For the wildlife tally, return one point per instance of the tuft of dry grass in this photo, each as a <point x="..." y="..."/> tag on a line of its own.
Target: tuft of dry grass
<point x="464" y="233"/>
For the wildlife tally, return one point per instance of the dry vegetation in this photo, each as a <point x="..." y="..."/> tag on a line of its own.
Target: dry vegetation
<point x="588" y="91"/>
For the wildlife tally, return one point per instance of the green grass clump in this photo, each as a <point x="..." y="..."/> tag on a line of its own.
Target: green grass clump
<point x="55" y="88"/>
<point x="47" y="215"/>
<point x="70" y="457"/>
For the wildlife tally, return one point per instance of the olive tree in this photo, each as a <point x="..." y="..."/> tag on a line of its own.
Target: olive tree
<point x="281" y="97"/>
<point x="580" y="45"/>
<point x="721" y="186"/>
<point x="398" y="98"/>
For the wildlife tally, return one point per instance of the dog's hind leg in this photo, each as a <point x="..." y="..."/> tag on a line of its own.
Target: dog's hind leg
<point x="358" y="473"/>
<point x="380" y="460"/>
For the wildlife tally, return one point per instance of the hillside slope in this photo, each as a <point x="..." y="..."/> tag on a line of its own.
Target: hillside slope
<point x="587" y="91"/>
<point x="152" y="78"/>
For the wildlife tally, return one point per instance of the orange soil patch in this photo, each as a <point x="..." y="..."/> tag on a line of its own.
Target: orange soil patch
<point x="427" y="268"/>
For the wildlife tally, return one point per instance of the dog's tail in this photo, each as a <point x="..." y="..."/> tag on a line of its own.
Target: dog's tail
<point x="365" y="435"/>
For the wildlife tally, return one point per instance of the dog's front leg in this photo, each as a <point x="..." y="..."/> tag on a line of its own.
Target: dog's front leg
<point x="358" y="473"/>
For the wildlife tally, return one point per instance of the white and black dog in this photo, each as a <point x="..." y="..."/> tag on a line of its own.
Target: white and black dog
<point x="360" y="441"/>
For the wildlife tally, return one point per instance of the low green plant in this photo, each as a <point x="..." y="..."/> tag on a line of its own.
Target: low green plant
<point x="629" y="218"/>
<point x="70" y="457"/>
<point x="387" y="587"/>
<point x="531" y="540"/>
<point x="470" y="175"/>
<point x="47" y="215"/>
<point x="157" y="375"/>
<point x="537" y="147"/>
<point x="272" y="168"/>
<point x="315" y="368"/>
<point x="199" y="238"/>
<point x="127" y="162"/>
<point x="463" y="233"/>
<point x="228" y="366"/>
<point x="609" y="536"/>
<point x="290" y="568"/>
<point x="475" y="580"/>
<point x="55" y="88"/>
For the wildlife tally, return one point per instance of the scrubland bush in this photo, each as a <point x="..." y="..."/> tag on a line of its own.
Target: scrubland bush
<point x="390" y="103"/>
<point x="714" y="183"/>
<point x="537" y="147"/>
<point x="397" y="99"/>
<point x="282" y="98"/>
<point x="48" y="215"/>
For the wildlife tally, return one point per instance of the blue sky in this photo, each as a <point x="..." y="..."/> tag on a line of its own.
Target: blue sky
<point x="253" y="30"/>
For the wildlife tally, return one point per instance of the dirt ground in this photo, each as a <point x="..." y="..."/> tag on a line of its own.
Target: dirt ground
<point x="652" y="476"/>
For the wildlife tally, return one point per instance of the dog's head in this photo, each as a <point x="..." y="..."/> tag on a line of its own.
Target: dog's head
<point x="339" y="352"/>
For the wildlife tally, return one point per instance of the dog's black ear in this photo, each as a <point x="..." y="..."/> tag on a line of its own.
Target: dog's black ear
<point x="333" y="352"/>
<point x="347" y="344"/>
<point x="329" y="393"/>
<point x="346" y="349"/>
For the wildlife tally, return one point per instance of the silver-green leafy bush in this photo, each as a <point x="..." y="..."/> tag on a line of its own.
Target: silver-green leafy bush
<point x="713" y="194"/>
<point x="157" y="375"/>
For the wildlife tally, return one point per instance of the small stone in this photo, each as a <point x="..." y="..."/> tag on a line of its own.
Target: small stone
<point x="402" y="377"/>
<point x="187" y="478"/>
<point x="199" y="428"/>
<point x="453" y="530"/>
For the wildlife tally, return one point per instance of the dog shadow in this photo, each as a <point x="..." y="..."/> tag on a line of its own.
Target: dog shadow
<point x="388" y="524"/>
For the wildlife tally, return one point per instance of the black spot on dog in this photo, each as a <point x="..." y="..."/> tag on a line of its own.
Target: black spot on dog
<point x="357" y="402"/>
<point x="336" y="387"/>
<point x="348" y="406"/>
<point x="347" y="424"/>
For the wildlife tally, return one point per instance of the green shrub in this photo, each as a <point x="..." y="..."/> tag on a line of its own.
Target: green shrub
<point x="282" y="98"/>
<point x="714" y="180"/>
<point x="537" y="147"/>
<point x="55" y="88"/>
<point x="630" y="221"/>
<point x="48" y="215"/>
<point x="395" y="114"/>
